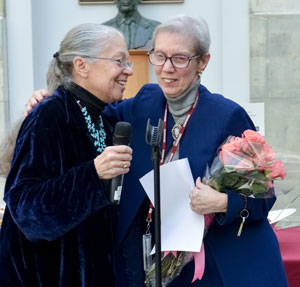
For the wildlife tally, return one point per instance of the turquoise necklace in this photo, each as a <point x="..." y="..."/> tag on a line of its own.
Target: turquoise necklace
<point x="98" y="135"/>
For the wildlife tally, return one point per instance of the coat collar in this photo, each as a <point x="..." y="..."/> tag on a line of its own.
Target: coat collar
<point x="74" y="116"/>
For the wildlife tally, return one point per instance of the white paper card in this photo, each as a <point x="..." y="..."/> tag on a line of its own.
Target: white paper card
<point x="181" y="228"/>
<point x="277" y="215"/>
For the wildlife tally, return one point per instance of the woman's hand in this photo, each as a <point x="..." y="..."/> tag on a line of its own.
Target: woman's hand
<point x="113" y="161"/>
<point x="206" y="200"/>
<point x="36" y="97"/>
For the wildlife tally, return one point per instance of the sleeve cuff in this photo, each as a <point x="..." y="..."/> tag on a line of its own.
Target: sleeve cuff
<point x="235" y="205"/>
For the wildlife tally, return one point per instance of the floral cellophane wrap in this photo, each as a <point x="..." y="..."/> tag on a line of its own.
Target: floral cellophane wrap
<point x="246" y="165"/>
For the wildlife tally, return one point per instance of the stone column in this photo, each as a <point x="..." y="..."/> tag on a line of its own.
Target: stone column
<point x="4" y="111"/>
<point x="274" y="80"/>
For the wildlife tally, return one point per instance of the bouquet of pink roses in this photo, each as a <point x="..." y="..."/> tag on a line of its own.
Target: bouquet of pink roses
<point x="246" y="165"/>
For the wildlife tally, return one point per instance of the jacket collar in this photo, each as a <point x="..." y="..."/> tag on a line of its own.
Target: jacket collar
<point x="73" y="113"/>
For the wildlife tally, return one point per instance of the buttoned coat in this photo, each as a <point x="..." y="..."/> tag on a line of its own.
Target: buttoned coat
<point x="253" y="259"/>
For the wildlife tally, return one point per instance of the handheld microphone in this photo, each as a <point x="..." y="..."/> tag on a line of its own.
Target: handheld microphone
<point x="121" y="136"/>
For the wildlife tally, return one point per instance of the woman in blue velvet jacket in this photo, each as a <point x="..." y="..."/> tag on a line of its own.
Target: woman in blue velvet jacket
<point x="57" y="226"/>
<point x="179" y="56"/>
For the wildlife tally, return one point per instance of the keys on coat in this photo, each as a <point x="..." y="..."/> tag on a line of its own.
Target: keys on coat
<point x="243" y="214"/>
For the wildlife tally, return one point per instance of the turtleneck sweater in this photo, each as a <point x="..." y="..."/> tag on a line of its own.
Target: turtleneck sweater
<point x="93" y="105"/>
<point x="179" y="108"/>
<point x="180" y="105"/>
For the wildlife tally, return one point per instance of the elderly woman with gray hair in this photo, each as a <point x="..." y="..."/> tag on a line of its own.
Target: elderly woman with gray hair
<point x="202" y="120"/>
<point x="57" y="226"/>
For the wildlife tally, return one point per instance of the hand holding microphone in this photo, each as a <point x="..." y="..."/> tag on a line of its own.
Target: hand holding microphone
<point x="115" y="160"/>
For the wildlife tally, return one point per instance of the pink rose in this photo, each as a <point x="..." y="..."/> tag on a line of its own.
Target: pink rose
<point x="248" y="148"/>
<point x="235" y="142"/>
<point x="253" y="136"/>
<point x="226" y="157"/>
<point x="227" y="150"/>
<point x="277" y="170"/>
<point x="264" y="158"/>
<point x="230" y="153"/>
<point x="268" y="153"/>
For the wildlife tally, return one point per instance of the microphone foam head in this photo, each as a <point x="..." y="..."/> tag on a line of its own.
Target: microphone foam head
<point x="122" y="133"/>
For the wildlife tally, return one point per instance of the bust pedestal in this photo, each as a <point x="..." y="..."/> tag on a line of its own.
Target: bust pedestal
<point x="140" y="72"/>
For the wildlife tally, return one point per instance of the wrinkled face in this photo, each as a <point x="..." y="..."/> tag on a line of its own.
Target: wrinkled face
<point x="127" y="5"/>
<point x="174" y="81"/>
<point x="106" y="79"/>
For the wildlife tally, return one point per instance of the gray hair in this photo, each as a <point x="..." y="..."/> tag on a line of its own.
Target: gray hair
<point x="194" y="28"/>
<point x="7" y="147"/>
<point x="82" y="40"/>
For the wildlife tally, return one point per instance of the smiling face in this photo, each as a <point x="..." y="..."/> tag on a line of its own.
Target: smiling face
<point x="106" y="79"/>
<point x="174" y="81"/>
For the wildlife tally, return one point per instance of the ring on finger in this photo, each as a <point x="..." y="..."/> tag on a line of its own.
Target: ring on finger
<point x="125" y="165"/>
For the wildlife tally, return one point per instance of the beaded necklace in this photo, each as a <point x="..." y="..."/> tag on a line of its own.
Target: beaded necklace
<point x="98" y="135"/>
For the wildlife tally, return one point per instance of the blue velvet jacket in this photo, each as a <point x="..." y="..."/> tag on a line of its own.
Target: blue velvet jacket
<point x="57" y="225"/>
<point x="253" y="259"/>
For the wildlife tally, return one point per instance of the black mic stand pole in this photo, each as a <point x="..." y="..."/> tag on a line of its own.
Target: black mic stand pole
<point x="156" y="156"/>
<point x="153" y="138"/>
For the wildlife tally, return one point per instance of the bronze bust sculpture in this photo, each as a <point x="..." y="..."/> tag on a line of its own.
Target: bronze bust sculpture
<point x="137" y="29"/>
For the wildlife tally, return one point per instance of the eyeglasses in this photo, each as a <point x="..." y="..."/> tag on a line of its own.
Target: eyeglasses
<point x="123" y="64"/>
<point x="177" y="61"/>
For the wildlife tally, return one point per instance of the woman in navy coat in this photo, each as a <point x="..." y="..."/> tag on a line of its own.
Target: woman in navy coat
<point x="58" y="222"/>
<point x="179" y="56"/>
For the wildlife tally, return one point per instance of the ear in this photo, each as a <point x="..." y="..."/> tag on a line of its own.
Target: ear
<point x="80" y="66"/>
<point x="203" y="63"/>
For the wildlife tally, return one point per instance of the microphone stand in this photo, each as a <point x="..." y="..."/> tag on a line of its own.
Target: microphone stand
<point x="153" y="138"/>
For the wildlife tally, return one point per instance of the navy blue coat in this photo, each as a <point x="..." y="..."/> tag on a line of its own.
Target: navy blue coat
<point x="253" y="259"/>
<point x="56" y="229"/>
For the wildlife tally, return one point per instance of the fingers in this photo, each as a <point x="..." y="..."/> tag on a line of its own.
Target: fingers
<point x="29" y="105"/>
<point x="205" y="199"/>
<point x="199" y="183"/>
<point x="36" y="97"/>
<point x="114" y="160"/>
<point x="39" y="95"/>
<point x="123" y="152"/>
<point x="195" y="192"/>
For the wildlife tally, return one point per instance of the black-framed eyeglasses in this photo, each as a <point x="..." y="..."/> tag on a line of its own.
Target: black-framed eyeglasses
<point x="177" y="61"/>
<point x="123" y="64"/>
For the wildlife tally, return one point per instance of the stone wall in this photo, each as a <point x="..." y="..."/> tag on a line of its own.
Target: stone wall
<point x="4" y="112"/>
<point x="274" y="80"/>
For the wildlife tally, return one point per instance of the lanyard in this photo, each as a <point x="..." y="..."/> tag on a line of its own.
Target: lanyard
<point x="174" y="148"/>
<point x="176" y="143"/>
